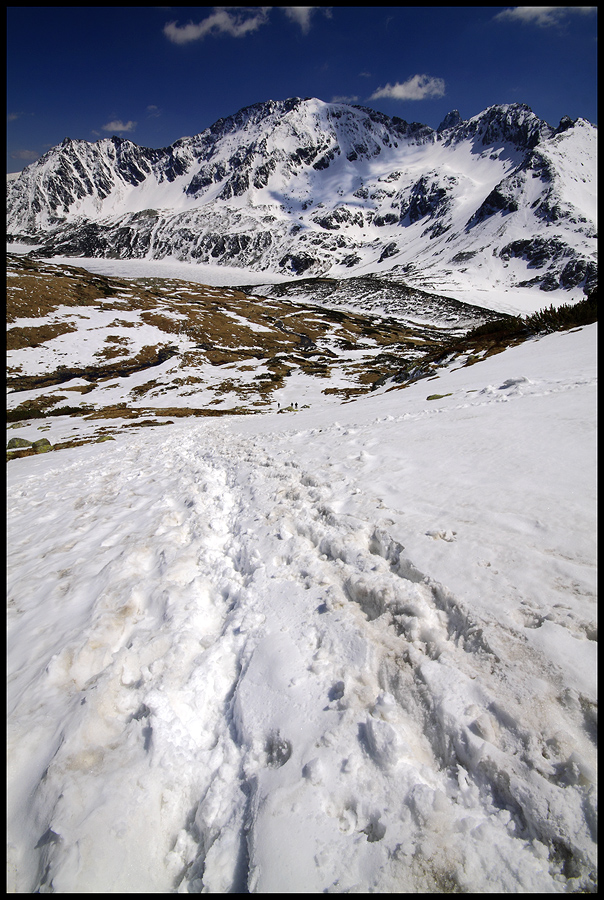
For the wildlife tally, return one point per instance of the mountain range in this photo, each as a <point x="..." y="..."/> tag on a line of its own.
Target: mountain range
<point x="306" y="188"/>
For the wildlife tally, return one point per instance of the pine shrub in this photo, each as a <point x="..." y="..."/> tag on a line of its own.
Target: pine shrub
<point x="566" y="316"/>
<point x="544" y="321"/>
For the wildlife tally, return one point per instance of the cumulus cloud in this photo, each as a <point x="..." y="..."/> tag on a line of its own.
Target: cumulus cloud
<point x="118" y="125"/>
<point x="419" y="87"/>
<point x="541" y="15"/>
<point x="236" y="21"/>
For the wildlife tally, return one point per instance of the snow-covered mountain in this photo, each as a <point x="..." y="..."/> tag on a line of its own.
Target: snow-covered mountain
<point x="303" y="187"/>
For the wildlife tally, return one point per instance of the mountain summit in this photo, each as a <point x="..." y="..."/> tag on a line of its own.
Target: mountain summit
<point x="303" y="187"/>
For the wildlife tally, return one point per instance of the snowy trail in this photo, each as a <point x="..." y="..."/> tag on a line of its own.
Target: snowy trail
<point x="247" y="686"/>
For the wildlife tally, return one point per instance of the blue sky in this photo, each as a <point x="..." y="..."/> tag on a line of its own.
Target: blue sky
<point x="155" y="74"/>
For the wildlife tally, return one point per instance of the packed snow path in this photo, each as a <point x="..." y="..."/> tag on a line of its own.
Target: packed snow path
<point x="227" y="675"/>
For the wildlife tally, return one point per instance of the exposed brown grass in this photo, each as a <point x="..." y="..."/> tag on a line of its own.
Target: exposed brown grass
<point x="18" y="338"/>
<point x="221" y="328"/>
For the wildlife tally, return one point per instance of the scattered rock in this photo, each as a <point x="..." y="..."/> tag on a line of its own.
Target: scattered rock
<point x="17" y="442"/>
<point x="43" y="445"/>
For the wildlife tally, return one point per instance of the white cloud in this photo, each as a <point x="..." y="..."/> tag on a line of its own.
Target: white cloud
<point x="28" y="155"/>
<point x="118" y="125"/>
<point x="301" y="15"/>
<point x="541" y="15"/>
<point x="236" y="21"/>
<point x="344" y="99"/>
<point x="13" y="116"/>
<point x="419" y="87"/>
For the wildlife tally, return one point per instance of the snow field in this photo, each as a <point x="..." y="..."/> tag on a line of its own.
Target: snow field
<point x="227" y="673"/>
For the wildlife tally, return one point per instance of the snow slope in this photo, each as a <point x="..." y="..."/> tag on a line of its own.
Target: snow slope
<point x="287" y="654"/>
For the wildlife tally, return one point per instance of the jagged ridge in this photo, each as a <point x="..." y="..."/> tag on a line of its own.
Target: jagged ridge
<point x="303" y="187"/>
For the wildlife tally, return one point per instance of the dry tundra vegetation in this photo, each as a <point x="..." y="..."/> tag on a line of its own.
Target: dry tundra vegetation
<point x="116" y="353"/>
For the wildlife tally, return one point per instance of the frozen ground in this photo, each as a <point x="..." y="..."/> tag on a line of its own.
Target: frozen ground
<point x="280" y="653"/>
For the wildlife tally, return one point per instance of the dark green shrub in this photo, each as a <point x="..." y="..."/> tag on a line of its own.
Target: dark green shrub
<point x="566" y="316"/>
<point x="509" y="325"/>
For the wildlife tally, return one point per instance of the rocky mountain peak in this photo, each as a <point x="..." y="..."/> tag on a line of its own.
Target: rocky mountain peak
<point x="507" y="123"/>
<point x="451" y="120"/>
<point x="565" y="123"/>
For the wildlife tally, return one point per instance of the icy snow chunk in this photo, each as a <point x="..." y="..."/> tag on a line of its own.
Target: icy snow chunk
<point x="512" y="382"/>
<point x="313" y="771"/>
<point x="385" y="707"/>
<point x="385" y="744"/>
<point x="337" y="691"/>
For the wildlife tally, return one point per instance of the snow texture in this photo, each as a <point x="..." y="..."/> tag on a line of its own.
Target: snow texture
<point x="287" y="654"/>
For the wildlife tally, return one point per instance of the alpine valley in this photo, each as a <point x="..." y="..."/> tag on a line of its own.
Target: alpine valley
<point x="302" y="188"/>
